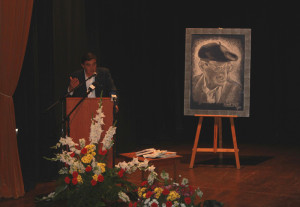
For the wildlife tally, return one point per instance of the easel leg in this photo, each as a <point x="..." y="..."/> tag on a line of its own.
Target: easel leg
<point x="196" y="142"/>
<point x="236" y="150"/>
<point x="216" y="125"/>
<point x="220" y="138"/>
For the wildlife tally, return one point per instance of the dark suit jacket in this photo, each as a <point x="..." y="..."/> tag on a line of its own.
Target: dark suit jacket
<point x="103" y="78"/>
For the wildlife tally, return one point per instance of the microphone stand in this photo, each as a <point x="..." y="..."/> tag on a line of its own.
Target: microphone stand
<point x="61" y="100"/>
<point x="66" y="119"/>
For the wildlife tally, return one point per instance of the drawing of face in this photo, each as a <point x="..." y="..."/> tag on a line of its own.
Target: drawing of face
<point x="215" y="73"/>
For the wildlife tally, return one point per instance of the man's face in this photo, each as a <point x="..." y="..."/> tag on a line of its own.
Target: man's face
<point x="89" y="67"/>
<point x="215" y="73"/>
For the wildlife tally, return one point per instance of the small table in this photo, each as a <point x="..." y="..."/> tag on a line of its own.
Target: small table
<point x="157" y="162"/>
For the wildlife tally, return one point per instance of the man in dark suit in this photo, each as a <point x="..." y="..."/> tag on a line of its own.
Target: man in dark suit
<point x="213" y="85"/>
<point x="99" y="79"/>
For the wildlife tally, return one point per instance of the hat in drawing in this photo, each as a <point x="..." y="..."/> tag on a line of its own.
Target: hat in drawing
<point x="216" y="52"/>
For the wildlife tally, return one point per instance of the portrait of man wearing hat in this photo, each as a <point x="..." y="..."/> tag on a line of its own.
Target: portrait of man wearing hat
<point x="214" y="85"/>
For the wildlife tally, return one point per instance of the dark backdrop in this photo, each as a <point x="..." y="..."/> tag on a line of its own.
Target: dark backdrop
<point x="143" y="43"/>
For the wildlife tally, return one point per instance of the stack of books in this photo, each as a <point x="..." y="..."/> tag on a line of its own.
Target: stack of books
<point x="154" y="153"/>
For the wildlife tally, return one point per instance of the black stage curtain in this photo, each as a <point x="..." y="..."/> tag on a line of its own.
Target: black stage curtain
<point x="143" y="43"/>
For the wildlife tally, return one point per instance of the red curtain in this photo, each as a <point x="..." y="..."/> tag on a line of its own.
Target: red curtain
<point x="15" y="19"/>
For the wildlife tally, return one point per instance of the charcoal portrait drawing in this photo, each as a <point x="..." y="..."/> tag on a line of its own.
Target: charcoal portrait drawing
<point x="216" y="74"/>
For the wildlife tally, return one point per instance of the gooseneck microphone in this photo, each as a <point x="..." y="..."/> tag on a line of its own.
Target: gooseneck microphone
<point x="92" y="87"/>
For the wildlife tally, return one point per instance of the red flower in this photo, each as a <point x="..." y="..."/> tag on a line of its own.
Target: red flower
<point x="187" y="200"/>
<point x="154" y="204"/>
<point x="100" y="178"/>
<point x="169" y="203"/>
<point x="144" y="183"/>
<point x="84" y="151"/>
<point x="165" y="192"/>
<point x="121" y="172"/>
<point x="93" y="182"/>
<point x="149" y="194"/>
<point x="132" y="204"/>
<point x="191" y="189"/>
<point x="67" y="180"/>
<point x="72" y="154"/>
<point x="88" y="169"/>
<point x="75" y="174"/>
<point x="74" y="181"/>
<point x="102" y="152"/>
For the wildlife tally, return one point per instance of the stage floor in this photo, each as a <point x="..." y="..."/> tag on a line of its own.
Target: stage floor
<point x="269" y="176"/>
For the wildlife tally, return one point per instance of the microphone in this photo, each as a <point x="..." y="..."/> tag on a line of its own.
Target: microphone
<point x="92" y="87"/>
<point x="94" y="75"/>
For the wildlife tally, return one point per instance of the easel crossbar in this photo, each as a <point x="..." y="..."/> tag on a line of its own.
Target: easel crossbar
<point x="217" y="128"/>
<point x="217" y="150"/>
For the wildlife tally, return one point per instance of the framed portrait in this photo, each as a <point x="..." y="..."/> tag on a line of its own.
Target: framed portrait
<point x="217" y="71"/>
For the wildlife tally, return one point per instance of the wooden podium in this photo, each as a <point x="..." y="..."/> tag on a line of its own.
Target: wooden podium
<point x="80" y="119"/>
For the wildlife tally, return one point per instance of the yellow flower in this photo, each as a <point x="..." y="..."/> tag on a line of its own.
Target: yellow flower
<point x="158" y="192"/>
<point x="102" y="167"/>
<point x="79" y="179"/>
<point x="173" y="195"/>
<point x="90" y="148"/>
<point x="95" y="177"/>
<point x="87" y="158"/>
<point x="140" y="191"/>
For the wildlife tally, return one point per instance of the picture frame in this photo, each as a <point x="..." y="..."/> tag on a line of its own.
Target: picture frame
<point x="217" y="72"/>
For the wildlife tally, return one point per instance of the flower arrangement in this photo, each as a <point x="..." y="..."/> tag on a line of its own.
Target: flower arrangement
<point x="85" y="180"/>
<point x="167" y="193"/>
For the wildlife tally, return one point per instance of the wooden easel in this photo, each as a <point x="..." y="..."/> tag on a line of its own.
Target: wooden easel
<point x="215" y="149"/>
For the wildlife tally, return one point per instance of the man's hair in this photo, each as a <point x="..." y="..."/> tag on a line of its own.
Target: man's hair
<point x="87" y="57"/>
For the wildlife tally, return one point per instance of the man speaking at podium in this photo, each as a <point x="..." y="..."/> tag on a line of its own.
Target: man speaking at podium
<point x="92" y="80"/>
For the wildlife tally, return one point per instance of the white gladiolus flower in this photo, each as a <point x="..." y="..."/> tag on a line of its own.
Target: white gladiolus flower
<point x="96" y="129"/>
<point x="164" y="175"/>
<point x="123" y="197"/>
<point x="151" y="168"/>
<point x="199" y="193"/>
<point x="143" y="164"/>
<point x="82" y="142"/>
<point x="135" y="161"/>
<point x="108" y="138"/>
<point x="152" y="177"/>
<point x="184" y="181"/>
